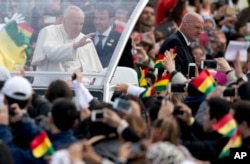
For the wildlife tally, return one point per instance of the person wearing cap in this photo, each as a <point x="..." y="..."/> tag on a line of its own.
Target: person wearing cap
<point x="17" y="95"/>
<point x="17" y="92"/>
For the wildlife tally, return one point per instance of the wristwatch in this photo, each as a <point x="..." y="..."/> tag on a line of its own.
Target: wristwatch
<point x="243" y="78"/>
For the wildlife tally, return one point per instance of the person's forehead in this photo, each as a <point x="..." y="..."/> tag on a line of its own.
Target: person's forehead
<point x="148" y="9"/>
<point x="76" y="14"/>
<point x="79" y="18"/>
<point x="197" y="49"/>
<point x="208" y="20"/>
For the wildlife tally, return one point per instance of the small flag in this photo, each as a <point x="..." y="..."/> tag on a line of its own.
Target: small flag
<point x="234" y="142"/>
<point x="162" y="83"/>
<point x="25" y="29"/>
<point x="149" y="92"/>
<point x="41" y="145"/>
<point x="205" y="82"/>
<point x="161" y="57"/>
<point x="173" y="52"/>
<point x="226" y="126"/>
<point x="142" y="77"/>
<point x="158" y="61"/>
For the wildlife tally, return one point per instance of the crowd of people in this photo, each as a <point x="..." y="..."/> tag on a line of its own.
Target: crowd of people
<point x="151" y="123"/>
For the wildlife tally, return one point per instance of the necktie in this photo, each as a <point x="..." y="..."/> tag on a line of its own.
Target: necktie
<point x="99" y="44"/>
<point x="191" y="53"/>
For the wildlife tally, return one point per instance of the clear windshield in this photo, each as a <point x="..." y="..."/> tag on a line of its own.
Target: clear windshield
<point x="109" y="20"/>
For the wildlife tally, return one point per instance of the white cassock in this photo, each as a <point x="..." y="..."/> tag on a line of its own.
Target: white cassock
<point x="54" y="52"/>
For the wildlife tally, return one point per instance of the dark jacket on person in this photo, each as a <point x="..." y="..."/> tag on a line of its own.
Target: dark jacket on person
<point x="27" y="131"/>
<point x="20" y="155"/>
<point x="203" y="146"/>
<point x="109" y="47"/>
<point x="62" y="140"/>
<point x="39" y="106"/>
<point x="207" y="150"/>
<point x="184" y="52"/>
<point x="194" y="102"/>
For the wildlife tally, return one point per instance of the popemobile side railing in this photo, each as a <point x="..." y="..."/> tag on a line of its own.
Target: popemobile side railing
<point x="121" y="45"/>
<point x="93" y="81"/>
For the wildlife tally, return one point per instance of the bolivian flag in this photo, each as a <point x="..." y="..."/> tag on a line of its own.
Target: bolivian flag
<point x="161" y="57"/>
<point x="205" y="82"/>
<point x="234" y="142"/>
<point x="158" y="61"/>
<point x="162" y="83"/>
<point x="142" y="77"/>
<point x="149" y="92"/>
<point x="226" y="126"/>
<point x="41" y="145"/>
<point x="173" y="52"/>
<point x="14" y="46"/>
<point x="25" y="29"/>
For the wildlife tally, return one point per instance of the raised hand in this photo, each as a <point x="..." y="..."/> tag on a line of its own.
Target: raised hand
<point x="19" y="18"/>
<point x="83" y="41"/>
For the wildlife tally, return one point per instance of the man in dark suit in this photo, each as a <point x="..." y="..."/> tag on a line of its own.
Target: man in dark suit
<point x="106" y="37"/>
<point x="190" y="29"/>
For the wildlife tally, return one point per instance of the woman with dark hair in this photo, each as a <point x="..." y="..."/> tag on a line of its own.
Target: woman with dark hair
<point x="58" y="89"/>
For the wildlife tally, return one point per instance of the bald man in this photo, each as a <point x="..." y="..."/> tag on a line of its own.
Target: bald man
<point x="190" y="28"/>
<point x="63" y="48"/>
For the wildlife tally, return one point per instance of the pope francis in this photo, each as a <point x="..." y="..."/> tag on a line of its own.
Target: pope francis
<point x="63" y="48"/>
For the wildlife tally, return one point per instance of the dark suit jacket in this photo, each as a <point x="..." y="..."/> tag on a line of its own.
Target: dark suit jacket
<point x="109" y="47"/>
<point x="248" y="76"/>
<point x="184" y="52"/>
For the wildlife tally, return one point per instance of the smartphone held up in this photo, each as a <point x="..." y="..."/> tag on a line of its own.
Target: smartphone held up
<point x="191" y="70"/>
<point x="122" y="105"/>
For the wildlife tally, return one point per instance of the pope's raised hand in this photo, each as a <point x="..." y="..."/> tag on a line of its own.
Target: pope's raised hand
<point x="83" y="41"/>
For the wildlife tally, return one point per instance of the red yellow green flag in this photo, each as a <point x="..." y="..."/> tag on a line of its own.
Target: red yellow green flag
<point x="149" y="92"/>
<point x="158" y="61"/>
<point x="142" y="77"/>
<point x="205" y="82"/>
<point x="226" y="126"/>
<point x="173" y="52"/>
<point x="25" y="29"/>
<point x="41" y="145"/>
<point x="161" y="57"/>
<point x="14" y="46"/>
<point x="162" y="83"/>
<point x="234" y="142"/>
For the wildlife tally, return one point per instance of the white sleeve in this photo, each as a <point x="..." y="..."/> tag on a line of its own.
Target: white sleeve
<point x="135" y="90"/>
<point x="83" y="96"/>
<point x="89" y="58"/>
<point x="53" y="49"/>
<point x="49" y="46"/>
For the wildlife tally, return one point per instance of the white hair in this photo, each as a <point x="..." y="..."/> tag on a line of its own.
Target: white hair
<point x="68" y="11"/>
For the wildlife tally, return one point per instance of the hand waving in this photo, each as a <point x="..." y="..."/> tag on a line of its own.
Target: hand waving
<point x="83" y="41"/>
